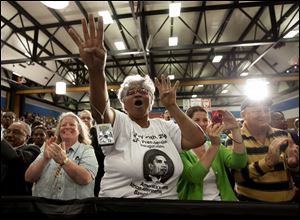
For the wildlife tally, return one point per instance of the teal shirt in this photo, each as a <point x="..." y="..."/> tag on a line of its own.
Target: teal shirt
<point x="190" y="185"/>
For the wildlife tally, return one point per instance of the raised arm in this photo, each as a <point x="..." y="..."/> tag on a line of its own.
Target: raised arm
<point x="192" y="134"/>
<point x="232" y="124"/>
<point x="93" y="54"/>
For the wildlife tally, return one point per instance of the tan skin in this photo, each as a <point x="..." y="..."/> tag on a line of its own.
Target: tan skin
<point x="69" y="134"/>
<point x="257" y="119"/>
<point x="214" y="132"/>
<point x="87" y="119"/>
<point x="16" y="134"/>
<point x="93" y="54"/>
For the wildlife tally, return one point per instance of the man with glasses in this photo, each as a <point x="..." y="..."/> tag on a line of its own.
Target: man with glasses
<point x="272" y="156"/>
<point x="16" y="156"/>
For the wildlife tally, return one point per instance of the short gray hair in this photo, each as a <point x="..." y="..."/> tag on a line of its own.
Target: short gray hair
<point x="26" y="127"/>
<point x="138" y="80"/>
<point x="85" y="111"/>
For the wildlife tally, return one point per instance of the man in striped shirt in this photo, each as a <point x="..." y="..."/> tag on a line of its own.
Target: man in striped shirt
<point x="272" y="156"/>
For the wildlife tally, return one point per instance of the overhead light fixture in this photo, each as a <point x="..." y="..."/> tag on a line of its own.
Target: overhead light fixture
<point x="224" y="91"/>
<point x="171" y="77"/>
<point x="291" y="34"/>
<point x="107" y="19"/>
<point x="17" y="74"/>
<point x="217" y="59"/>
<point x="244" y="74"/>
<point x="56" y="4"/>
<point x="201" y="86"/>
<point x="256" y="89"/>
<point x="174" y="9"/>
<point x="173" y="41"/>
<point x="194" y="96"/>
<point x="120" y="45"/>
<point x="60" y="88"/>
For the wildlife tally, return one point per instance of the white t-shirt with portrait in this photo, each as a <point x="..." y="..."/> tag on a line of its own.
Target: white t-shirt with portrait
<point x="128" y="163"/>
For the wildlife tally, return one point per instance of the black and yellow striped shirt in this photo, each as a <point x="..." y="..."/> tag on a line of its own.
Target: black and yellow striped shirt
<point x="257" y="181"/>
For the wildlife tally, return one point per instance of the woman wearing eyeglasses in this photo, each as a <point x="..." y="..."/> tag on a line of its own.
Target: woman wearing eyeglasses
<point x="135" y="134"/>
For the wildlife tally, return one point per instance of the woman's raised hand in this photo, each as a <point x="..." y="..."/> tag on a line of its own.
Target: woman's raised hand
<point x="167" y="92"/>
<point x="229" y="120"/>
<point x="91" y="49"/>
<point x="214" y="131"/>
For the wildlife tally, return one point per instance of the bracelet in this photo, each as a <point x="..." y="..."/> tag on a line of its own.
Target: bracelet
<point x="65" y="161"/>
<point x="235" y="141"/>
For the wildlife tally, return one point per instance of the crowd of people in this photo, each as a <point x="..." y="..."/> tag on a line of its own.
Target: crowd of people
<point x="179" y="156"/>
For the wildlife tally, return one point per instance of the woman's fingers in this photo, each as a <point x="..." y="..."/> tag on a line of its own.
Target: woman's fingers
<point x="99" y="52"/>
<point x="157" y="84"/>
<point x="164" y="85"/>
<point x="220" y="129"/>
<point x="92" y="26"/>
<point x="75" y="36"/>
<point x="216" y="129"/>
<point x="168" y="82"/>
<point x="163" y="81"/>
<point x="100" y="32"/>
<point x="176" y="85"/>
<point x="85" y="30"/>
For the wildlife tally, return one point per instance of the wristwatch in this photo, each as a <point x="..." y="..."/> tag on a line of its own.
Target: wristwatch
<point x="65" y="161"/>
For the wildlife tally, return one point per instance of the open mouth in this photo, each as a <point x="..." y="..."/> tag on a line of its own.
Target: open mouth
<point x="67" y="131"/>
<point x="138" y="103"/>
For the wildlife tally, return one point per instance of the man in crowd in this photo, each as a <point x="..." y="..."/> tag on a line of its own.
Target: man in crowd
<point x="272" y="156"/>
<point x="7" y="119"/>
<point x="16" y="156"/>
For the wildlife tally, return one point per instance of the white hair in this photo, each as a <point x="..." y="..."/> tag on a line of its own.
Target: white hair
<point x="137" y="80"/>
<point x="83" y="130"/>
<point x="85" y="111"/>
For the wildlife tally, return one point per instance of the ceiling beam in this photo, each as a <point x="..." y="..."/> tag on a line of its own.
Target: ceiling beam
<point x="182" y="83"/>
<point x="166" y="11"/>
<point x="249" y="43"/>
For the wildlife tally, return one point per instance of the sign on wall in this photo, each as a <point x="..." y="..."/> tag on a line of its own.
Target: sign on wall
<point x="205" y="103"/>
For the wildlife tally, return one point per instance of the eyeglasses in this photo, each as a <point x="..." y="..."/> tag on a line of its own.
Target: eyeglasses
<point x="141" y="91"/>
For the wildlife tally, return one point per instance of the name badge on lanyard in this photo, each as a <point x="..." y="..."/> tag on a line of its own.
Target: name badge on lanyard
<point x="105" y="134"/>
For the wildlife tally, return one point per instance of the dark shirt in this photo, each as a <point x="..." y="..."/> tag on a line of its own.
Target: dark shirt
<point x="294" y="136"/>
<point x="14" y="164"/>
<point x="100" y="158"/>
